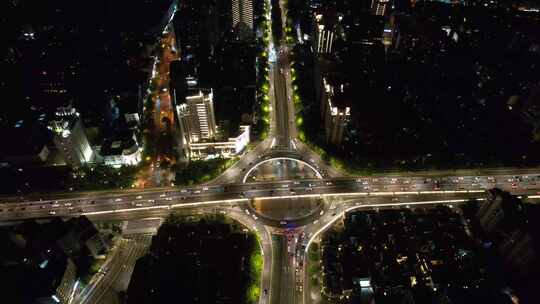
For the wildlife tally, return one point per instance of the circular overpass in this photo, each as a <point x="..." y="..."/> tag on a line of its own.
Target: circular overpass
<point x="281" y="168"/>
<point x="291" y="211"/>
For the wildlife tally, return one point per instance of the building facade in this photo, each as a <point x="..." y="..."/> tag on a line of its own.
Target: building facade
<point x="242" y="13"/>
<point x="121" y="151"/>
<point x="70" y="138"/>
<point x="335" y="115"/>
<point x="196" y="118"/>
<point x="380" y="7"/>
<point x="229" y="148"/>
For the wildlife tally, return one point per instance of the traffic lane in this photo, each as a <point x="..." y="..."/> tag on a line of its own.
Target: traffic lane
<point x="529" y="181"/>
<point x="241" y="190"/>
<point x="327" y="188"/>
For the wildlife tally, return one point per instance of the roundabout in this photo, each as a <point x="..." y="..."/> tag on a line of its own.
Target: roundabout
<point x="281" y="168"/>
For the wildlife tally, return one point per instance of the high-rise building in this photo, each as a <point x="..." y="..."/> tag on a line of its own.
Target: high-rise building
<point x="242" y="13"/>
<point x="70" y="138"/>
<point x="196" y="117"/>
<point x="336" y="114"/>
<point x="379" y="7"/>
<point x="325" y="33"/>
<point x="197" y="127"/>
<point x="325" y="39"/>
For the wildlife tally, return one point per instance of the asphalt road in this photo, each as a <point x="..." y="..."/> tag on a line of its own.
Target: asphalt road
<point x="147" y="200"/>
<point x="283" y="270"/>
<point x="121" y="260"/>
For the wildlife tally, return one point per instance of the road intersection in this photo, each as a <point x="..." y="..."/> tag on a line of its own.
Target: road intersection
<point x="284" y="241"/>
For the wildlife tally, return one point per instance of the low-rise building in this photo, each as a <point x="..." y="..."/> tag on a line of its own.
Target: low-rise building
<point x="81" y="233"/>
<point x="121" y="150"/>
<point x="233" y="146"/>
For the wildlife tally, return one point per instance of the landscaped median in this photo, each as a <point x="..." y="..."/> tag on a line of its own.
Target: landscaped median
<point x="255" y="271"/>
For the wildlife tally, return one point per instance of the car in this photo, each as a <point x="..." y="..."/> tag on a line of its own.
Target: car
<point x="151" y="200"/>
<point x="139" y="205"/>
<point x="205" y="188"/>
<point x="52" y="212"/>
<point x="139" y="197"/>
<point x="118" y="200"/>
<point x="168" y="199"/>
<point x="162" y="195"/>
<point x="246" y="211"/>
<point x="322" y="212"/>
<point x="254" y="216"/>
<point x="265" y="291"/>
<point x="283" y="222"/>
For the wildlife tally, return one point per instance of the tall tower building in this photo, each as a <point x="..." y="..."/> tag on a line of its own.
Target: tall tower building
<point x="196" y="118"/>
<point x="335" y="112"/>
<point x="242" y="13"/>
<point x="379" y="7"/>
<point x="70" y="138"/>
<point x="325" y="39"/>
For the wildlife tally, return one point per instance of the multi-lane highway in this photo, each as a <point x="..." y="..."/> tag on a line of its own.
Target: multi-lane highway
<point x="111" y="202"/>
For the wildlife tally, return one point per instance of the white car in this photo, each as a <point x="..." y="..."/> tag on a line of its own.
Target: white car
<point x="139" y="197"/>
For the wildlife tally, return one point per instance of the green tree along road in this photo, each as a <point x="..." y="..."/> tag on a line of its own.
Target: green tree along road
<point x="200" y="171"/>
<point x="255" y="271"/>
<point x="102" y="177"/>
<point x="262" y="82"/>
